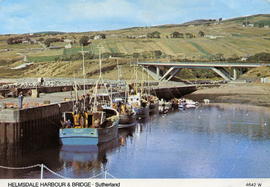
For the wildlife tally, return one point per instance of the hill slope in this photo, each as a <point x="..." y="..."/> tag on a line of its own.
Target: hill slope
<point x="227" y="38"/>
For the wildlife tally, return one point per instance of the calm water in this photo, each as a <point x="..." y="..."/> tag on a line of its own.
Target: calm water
<point x="208" y="142"/>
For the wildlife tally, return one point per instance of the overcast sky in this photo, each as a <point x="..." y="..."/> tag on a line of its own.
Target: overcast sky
<point x="26" y="16"/>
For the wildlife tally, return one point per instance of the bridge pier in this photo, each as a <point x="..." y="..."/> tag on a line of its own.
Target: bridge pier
<point x="157" y="71"/>
<point x="222" y="72"/>
<point x="235" y="73"/>
<point x="154" y="74"/>
<point x="167" y="73"/>
<point x="175" y="71"/>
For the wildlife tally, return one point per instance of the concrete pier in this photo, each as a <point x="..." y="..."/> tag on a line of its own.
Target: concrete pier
<point x="37" y="125"/>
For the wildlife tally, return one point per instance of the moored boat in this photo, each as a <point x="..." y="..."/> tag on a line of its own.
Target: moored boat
<point x="175" y="104"/>
<point x="153" y="104"/>
<point x="89" y="128"/>
<point x="94" y="123"/>
<point x="140" y="105"/>
<point x="164" y="106"/>
<point x="127" y="114"/>
<point x="187" y="103"/>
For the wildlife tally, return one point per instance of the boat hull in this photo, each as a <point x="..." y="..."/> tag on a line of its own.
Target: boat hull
<point x="142" y="112"/>
<point x="127" y="119"/>
<point x="109" y="133"/>
<point x="78" y="136"/>
<point x="153" y="108"/>
<point x="88" y="136"/>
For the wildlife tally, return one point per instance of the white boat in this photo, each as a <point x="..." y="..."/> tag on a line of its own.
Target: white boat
<point x="164" y="106"/>
<point x="139" y="104"/>
<point x="187" y="103"/>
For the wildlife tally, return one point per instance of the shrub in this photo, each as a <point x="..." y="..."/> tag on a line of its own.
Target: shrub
<point x="84" y="41"/>
<point x="177" y="35"/>
<point x="201" y="34"/>
<point x="154" y="34"/>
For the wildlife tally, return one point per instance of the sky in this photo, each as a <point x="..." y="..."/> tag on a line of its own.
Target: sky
<point x="28" y="16"/>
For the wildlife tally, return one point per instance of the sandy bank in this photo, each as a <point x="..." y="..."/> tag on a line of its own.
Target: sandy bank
<point x="250" y="93"/>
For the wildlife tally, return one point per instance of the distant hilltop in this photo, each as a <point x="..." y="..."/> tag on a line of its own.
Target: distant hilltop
<point x="194" y="22"/>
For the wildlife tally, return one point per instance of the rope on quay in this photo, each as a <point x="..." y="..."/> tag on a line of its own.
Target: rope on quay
<point x="106" y="173"/>
<point x="111" y="175"/>
<point x="96" y="175"/>
<point x="56" y="174"/>
<point x="20" y="168"/>
<point x="42" y="167"/>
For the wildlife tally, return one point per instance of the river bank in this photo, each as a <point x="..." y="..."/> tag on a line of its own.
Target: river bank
<point x="249" y="93"/>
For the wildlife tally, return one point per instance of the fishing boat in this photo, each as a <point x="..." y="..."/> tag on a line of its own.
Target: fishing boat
<point x="89" y="128"/>
<point x="153" y="104"/>
<point x="127" y="114"/>
<point x="140" y="105"/>
<point x="164" y="106"/>
<point x="92" y="124"/>
<point x="175" y="103"/>
<point x="136" y="98"/>
<point x="187" y="103"/>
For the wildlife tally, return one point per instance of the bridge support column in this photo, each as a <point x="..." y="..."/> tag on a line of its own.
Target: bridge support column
<point x="173" y="73"/>
<point x="157" y="71"/>
<point x="235" y="73"/>
<point x="223" y="73"/>
<point x="167" y="73"/>
<point x="154" y="75"/>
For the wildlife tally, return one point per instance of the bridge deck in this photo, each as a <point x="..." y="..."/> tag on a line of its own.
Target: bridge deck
<point x="204" y="64"/>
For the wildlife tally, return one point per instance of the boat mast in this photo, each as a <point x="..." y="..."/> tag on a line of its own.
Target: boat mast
<point x="118" y="73"/>
<point x="142" y="81"/>
<point x="148" y="85"/>
<point x="100" y="80"/>
<point x="84" y="76"/>
<point x="136" y="77"/>
<point x="83" y="71"/>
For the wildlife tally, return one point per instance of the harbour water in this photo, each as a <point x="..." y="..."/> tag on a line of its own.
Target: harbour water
<point x="207" y="142"/>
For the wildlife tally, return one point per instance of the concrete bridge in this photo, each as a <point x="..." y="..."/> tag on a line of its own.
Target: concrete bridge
<point x="221" y="68"/>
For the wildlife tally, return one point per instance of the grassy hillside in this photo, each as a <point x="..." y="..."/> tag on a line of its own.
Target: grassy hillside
<point x="227" y="38"/>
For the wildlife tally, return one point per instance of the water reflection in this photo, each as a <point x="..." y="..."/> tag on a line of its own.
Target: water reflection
<point x="126" y="134"/>
<point x="212" y="120"/>
<point x="86" y="161"/>
<point x="214" y="141"/>
<point x="26" y="156"/>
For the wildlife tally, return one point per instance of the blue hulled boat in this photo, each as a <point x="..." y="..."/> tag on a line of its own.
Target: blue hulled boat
<point x="89" y="128"/>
